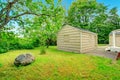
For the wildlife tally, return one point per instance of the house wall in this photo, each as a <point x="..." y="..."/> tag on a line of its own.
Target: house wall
<point x="110" y="40"/>
<point x="75" y="40"/>
<point x="89" y="42"/>
<point x="117" y="40"/>
<point x="68" y="39"/>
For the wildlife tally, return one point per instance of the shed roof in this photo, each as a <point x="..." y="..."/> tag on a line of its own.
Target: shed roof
<point x="117" y="32"/>
<point x="81" y="29"/>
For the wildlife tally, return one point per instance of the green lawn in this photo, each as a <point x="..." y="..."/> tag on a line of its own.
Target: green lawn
<point x="103" y="44"/>
<point x="59" y="65"/>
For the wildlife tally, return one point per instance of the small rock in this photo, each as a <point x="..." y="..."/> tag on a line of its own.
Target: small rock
<point x="24" y="59"/>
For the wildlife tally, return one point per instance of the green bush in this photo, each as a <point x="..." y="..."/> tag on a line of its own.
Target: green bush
<point x="36" y="42"/>
<point x="43" y="50"/>
<point x="14" y="45"/>
<point x="26" y="44"/>
<point x="9" y="41"/>
<point x="4" y="46"/>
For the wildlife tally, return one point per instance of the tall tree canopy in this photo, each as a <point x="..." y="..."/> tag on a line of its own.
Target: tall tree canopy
<point x="94" y="16"/>
<point x="46" y="27"/>
<point x="82" y="12"/>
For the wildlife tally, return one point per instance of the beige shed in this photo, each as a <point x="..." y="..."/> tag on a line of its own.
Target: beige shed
<point x="77" y="40"/>
<point x="114" y="39"/>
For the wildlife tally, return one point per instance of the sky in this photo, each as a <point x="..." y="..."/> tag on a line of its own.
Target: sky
<point x="109" y="3"/>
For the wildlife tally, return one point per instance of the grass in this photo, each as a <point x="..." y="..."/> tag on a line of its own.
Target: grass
<point x="102" y="44"/>
<point x="58" y="65"/>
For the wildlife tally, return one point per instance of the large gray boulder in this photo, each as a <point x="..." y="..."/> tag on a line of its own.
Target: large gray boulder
<point x="24" y="59"/>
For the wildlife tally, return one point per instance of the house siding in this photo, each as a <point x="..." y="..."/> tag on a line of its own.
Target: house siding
<point x="88" y="42"/>
<point x="75" y="40"/>
<point x="117" y="40"/>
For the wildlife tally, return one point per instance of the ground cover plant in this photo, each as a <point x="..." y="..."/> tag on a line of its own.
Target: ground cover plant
<point x="59" y="65"/>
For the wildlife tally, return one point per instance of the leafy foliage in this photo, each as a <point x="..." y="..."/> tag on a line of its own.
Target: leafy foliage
<point x="37" y="23"/>
<point x="3" y="47"/>
<point x="15" y="10"/>
<point x="43" y="50"/>
<point x="93" y="16"/>
<point x="45" y="28"/>
<point x="10" y="41"/>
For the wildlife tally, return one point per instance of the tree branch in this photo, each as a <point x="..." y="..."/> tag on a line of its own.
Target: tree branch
<point x="28" y="13"/>
<point x="9" y="5"/>
<point x="5" y="14"/>
<point x="7" y="11"/>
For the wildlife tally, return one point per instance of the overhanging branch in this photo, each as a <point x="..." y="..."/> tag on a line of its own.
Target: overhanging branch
<point x="28" y="13"/>
<point x="9" y="5"/>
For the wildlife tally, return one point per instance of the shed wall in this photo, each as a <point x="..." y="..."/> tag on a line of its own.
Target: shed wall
<point x="117" y="40"/>
<point x="89" y="42"/>
<point x="68" y="39"/>
<point x="75" y="40"/>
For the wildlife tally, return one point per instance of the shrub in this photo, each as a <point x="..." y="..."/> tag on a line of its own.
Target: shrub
<point x="36" y="42"/>
<point x="14" y="45"/>
<point x="26" y="44"/>
<point x="4" y="46"/>
<point x="43" y="50"/>
<point x="10" y="41"/>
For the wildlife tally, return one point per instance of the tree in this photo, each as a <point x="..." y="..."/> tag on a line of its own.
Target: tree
<point x="114" y="19"/>
<point x="99" y="24"/>
<point x="13" y="10"/>
<point x="82" y="12"/>
<point x="93" y="16"/>
<point x="45" y="27"/>
<point x="39" y="20"/>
